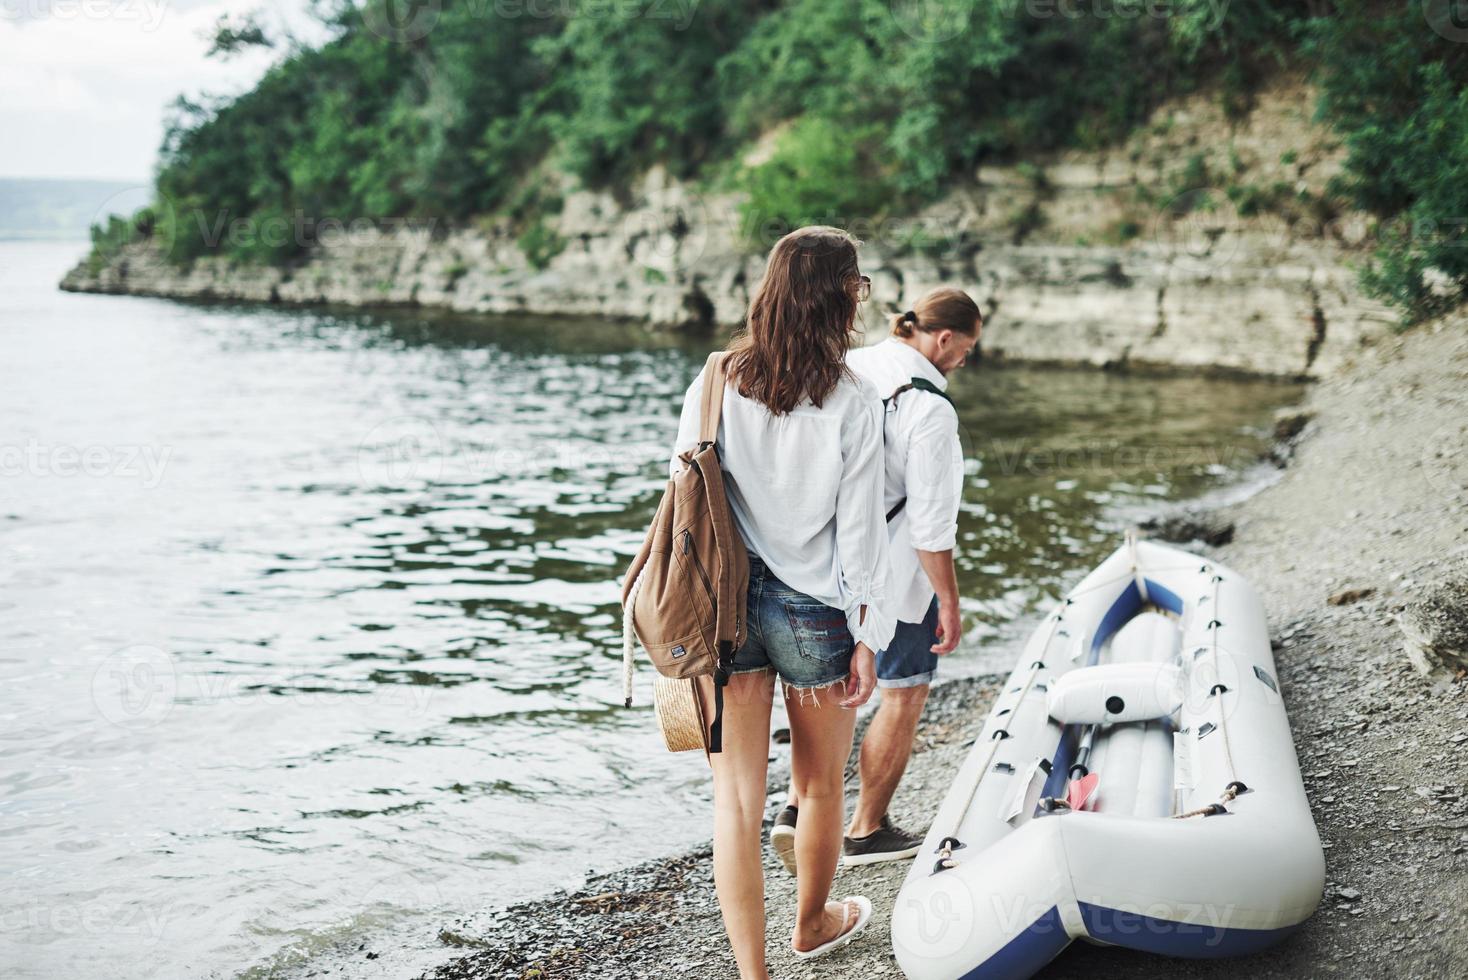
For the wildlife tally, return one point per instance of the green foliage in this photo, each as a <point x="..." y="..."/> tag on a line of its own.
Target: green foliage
<point x="234" y="34"/>
<point x="1395" y="91"/>
<point x="1193" y="176"/>
<point x="884" y="104"/>
<point x="110" y="239"/>
<point x="1252" y="199"/>
<point x="540" y="243"/>
<point x="629" y="84"/>
<point x="1123" y="231"/>
<point x="820" y="174"/>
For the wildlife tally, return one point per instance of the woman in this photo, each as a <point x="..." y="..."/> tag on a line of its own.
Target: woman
<point x="801" y="446"/>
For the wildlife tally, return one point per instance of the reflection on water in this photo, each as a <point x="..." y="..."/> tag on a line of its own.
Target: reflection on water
<point x="310" y="622"/>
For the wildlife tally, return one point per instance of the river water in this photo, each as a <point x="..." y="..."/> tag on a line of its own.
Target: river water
<point x="308" y="619"/>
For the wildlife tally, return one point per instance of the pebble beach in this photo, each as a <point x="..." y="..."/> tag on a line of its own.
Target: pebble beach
<point x="1368" y="519"/>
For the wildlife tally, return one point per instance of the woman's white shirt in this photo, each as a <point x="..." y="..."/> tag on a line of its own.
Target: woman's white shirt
<point x="924" y="463"/>
<point x="806" y="492"/>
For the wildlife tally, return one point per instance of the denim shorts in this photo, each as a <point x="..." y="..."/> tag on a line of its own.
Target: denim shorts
<point x="910" y="660"/>
<point x="802" y="639"/>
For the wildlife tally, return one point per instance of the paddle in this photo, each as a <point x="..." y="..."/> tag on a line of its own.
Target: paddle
<point x="1078" y="793"/>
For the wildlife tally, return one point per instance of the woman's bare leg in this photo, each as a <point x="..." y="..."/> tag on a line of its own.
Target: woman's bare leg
<point x="740" y="771"/>
<point x="820" y="742"/>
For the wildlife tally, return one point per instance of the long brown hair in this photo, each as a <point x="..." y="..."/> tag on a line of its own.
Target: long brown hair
<point x="794" y="342"/>
<point x="945" y="308"/>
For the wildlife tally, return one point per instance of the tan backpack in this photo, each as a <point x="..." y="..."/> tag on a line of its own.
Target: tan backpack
<point x="685" y="593"/>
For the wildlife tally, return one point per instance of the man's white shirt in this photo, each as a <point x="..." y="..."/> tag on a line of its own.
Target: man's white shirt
<point x="924" y="463"/>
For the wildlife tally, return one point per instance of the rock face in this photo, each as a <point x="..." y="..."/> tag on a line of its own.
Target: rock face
<point x="1435" y="628"/>
<point x="1133" y="256"/>
<point x="1289" y="311"/>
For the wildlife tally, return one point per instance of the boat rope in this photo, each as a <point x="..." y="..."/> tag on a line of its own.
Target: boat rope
<point x="1235" y="785"/>
<point x="1216" y="809"/>
<point x="1073" y="596"/>
<point x="946" y="847"/>
<point x="1219" y="689"/>
<point x="999" y="735"/>
<point x="629" y="639"/>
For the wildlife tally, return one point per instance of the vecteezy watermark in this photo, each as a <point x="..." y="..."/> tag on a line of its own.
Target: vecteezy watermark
<point x="1012" y="457"/>
<point x="933" y="232"/>
<point x="402" y="449"/>
<point x="930" y="20"/>
<point x="672" y="233"/>
<point x="401" y="21"/>
<point x="1444" y="461"/>
<point x="405" y="21"/>
<point x="680" y="12"/>
<point x="943" y="918"/>
<point x="37" y="459"/>
<point x="135" y="214"/>
<point x="1199" y="226"/>
<point x="1447" y="18"/>
<point x="953" y="909"/>
<point x="401" y="891"/>
<point x="934" y="21"/>
<point x="222" y="229"/>
<point x="407" y="450"/>
<point x="148" y="14"/>
<point x="96" y="918"/>
<point x="135" y="687"/>
<point x="1112" y="9"/>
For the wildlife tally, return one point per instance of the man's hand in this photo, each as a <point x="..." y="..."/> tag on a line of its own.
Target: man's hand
<point x="950" y="629"/>
<point x="863" y="678"/>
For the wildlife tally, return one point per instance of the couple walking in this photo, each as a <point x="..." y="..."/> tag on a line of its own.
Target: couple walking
<point x="843" y="474"/>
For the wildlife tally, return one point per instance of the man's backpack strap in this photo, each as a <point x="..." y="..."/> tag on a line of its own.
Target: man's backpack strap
<point x="921" y="384"/>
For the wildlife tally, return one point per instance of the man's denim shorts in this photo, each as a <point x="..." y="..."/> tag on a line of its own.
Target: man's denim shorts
<point x="805" y="641"/>
<point x="910" y="660"/>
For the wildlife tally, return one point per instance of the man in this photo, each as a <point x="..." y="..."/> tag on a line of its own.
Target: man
<point x="924" y="484"/>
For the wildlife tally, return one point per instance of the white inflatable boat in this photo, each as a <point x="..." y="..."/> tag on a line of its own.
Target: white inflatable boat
<point x="1135" y="785"/>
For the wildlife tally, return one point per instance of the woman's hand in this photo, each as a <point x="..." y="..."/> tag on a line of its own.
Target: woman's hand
<point x="863" y="678"/>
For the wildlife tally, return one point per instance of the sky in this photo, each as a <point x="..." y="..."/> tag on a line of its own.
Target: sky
<point x="84" y="84"/>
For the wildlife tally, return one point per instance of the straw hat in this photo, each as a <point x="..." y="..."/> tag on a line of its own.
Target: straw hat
<point x="680" y="713"/>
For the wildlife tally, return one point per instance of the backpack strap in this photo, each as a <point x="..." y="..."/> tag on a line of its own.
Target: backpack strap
<point x="920" y="384"/>
<point x="715" y="379"/>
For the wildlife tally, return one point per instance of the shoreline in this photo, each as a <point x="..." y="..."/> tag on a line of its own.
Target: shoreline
<point x="1370" y="511"/>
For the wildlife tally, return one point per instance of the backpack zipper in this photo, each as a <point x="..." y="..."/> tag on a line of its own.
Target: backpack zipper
<point x="698" y="565"/>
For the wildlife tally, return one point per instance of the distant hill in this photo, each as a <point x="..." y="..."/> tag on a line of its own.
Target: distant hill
<point x="63" y="209"/>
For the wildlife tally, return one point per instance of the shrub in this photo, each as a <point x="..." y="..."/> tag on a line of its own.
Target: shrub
<point x="819" y="174"/>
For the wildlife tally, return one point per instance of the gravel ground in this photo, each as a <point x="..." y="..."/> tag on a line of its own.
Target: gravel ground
<point x="1372" y="509"/>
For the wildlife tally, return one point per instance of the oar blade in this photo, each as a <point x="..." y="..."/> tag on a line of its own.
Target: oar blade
<point x="1080" y="791"/>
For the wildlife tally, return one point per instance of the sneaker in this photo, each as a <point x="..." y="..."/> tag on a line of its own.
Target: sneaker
<point x="887" y="843"/>
<point x="782" y="837"/>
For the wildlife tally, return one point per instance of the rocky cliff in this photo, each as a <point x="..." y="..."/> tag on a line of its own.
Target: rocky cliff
<point x="1204" y="242"/>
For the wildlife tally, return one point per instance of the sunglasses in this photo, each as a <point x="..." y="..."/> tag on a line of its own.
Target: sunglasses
<point x="863" y="288"/>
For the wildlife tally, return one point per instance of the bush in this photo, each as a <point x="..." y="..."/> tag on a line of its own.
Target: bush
<point x="820" y="174"/>
<point x="887" y="104"/>
<point x="540" y="243"/>
<point x="1394" y="91"/>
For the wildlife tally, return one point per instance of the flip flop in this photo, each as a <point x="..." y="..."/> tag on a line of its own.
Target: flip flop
<point x="863" y="919"/>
